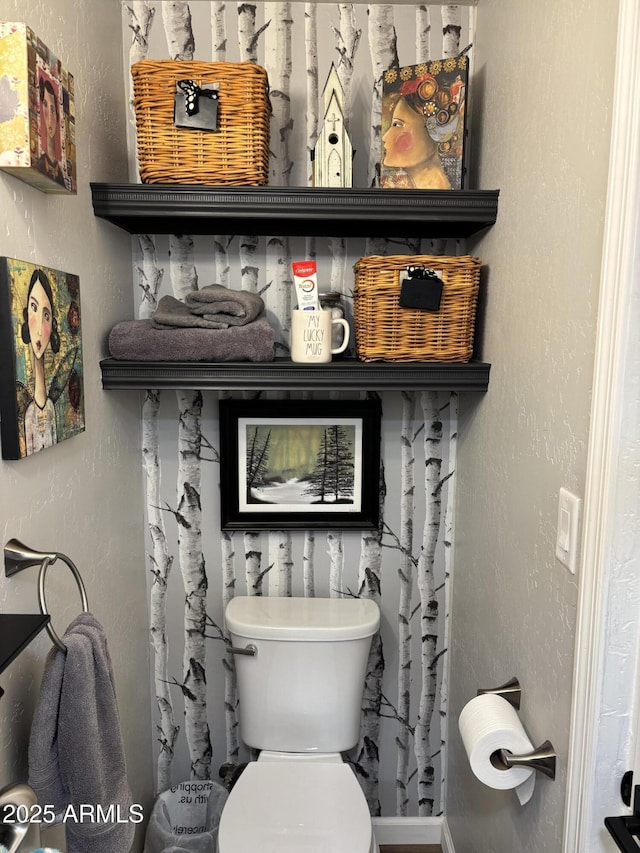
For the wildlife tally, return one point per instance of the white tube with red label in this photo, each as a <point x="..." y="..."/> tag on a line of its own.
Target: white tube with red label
<point x="305" y="279"/>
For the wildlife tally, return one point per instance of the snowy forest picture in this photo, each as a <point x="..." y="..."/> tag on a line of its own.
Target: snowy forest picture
<point x="308" y="468"/>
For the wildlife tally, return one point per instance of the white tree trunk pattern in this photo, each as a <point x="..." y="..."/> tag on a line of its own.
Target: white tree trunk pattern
<point x="149" y="279"/>
<point x="278" y="64"/>
<point x="221" y="243"/>
<point x="141" y="15"/>
<point x="247" y="248"/>
<point x="405" y="572"/>
<point x="446" y="627"/>
<point x="247" y="243"/>
<point x="308" y="576"/>
<point x="451" y="29"/>
<point x="230" y="684"/>
<point x="423" y="34"/>
<point x="161" y="566"/>
<point x="280" y="562"/>
<point x="336" y="562"/>
<point x="348" y="38"/>
<point x="384" y="54"/>
<point x="184" y="279"/>
<point x="313" y="92"/>
<point x="428" y="600"/>
<point x="367" y="764"/>
<point x="451" y="18"/>
<point x="280" y="283"/>
<point x="150" y="276"/>
<point x="188" y="516"/>
<point x="253" y="562"/>
<point x="247" y="34"/>
<point x="218" y="31"/>
<point x="218" y="54"/>
<point x="176" y="17"/>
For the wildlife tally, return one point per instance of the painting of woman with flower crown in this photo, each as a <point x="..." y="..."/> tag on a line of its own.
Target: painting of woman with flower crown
<point x="423" y="125"/>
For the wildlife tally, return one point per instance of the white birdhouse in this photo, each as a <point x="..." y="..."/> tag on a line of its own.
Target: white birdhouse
<point x="333" y="153"/>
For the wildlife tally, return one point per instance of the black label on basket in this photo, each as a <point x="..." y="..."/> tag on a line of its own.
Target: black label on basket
<point x="196" y="106"/>
<point x="420" y="288"/>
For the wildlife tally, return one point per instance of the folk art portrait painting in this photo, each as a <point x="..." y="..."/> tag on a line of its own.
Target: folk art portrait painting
<point x="37" y="112"/>
<point x="423" y="125"/>
<point x="41" y="373"/>
<point x="50" y="136"/>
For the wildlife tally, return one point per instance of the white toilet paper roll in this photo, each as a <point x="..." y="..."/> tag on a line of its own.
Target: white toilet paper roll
<point x="487" y="724"/>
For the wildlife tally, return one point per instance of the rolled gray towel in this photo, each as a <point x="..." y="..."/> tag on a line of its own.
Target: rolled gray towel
<point x="138" y="340"/>
<point x="235" y="307"/>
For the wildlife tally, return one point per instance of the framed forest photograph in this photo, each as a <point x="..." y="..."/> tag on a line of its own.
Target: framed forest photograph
<point x="299" y="464"/>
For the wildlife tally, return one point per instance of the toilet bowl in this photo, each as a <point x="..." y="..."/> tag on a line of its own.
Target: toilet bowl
<point x="300" y="666"/>
<point x="296" y="804"/>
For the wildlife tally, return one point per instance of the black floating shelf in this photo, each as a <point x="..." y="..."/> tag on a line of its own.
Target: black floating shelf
<point x="16" y="632"/>
<point x="283" y="375"/>
<point x="286" y="211"/>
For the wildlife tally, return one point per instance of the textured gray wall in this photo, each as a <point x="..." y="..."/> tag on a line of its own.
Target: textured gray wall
<point x="84" y="496"/>
<point x="513" y="602"/>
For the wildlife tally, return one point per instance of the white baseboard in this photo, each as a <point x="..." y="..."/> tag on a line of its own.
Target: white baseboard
<point x="446" y="842"/>
<point x="409" y="830"/>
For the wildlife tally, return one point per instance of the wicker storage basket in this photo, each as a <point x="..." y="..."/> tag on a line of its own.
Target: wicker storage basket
<point x="237" y="154"/>
<point x="385" y="331"/>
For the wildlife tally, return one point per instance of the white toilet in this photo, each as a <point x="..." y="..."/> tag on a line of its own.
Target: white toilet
<point x="300" y="673"/>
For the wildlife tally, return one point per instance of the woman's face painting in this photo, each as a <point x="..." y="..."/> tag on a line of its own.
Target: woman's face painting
<point x="49" y="115"/>
<point x="40" y="319"/>
<point x="406" y="142"/>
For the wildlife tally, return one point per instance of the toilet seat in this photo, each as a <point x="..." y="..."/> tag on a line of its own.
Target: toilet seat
<point x="301" y="807"/>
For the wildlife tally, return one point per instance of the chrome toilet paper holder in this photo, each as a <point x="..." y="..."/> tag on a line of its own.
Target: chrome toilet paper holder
<point x="510" y="690"/>
<point x="542" y="759"/>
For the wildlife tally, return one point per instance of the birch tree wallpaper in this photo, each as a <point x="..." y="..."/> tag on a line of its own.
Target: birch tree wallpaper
<point x="194" y="568"/>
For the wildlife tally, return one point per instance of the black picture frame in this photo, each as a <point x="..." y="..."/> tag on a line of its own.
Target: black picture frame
<point x="275" y="458"/>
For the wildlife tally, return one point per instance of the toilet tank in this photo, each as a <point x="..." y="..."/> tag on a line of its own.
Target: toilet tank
<point x="302" y="690"/>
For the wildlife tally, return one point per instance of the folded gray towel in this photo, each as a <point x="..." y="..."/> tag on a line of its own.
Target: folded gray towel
<point x="171" y="313"/>
<point x="138" y="340"/>
<point x="76" y="754"/>
<point x="236" y="307"/>
<point x="212" y="307"/>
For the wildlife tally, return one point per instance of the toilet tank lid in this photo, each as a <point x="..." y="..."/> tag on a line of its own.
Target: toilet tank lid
<point x="306" y="619"/>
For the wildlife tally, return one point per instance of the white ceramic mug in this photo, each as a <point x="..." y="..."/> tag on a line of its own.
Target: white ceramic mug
<point x="311" y="336"/>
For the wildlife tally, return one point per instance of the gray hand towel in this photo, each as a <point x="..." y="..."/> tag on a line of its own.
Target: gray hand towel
<point x="212" y="307"/>
<point x="76" y="756"/>
<point x="138" y="340"/>
<point x="237" y="307"/>
<point x="171" y="313"/>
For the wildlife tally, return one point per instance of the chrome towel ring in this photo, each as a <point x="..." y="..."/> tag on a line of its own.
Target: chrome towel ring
<point x="18" y="557"/>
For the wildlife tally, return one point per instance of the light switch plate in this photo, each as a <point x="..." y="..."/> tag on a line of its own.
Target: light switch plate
<point x="568" y="530"/>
